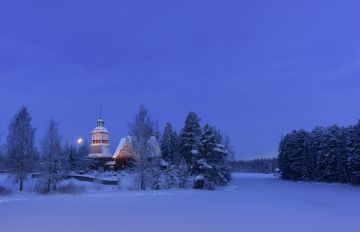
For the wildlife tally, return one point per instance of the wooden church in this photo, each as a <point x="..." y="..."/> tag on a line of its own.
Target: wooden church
<point x="124" y="156"/>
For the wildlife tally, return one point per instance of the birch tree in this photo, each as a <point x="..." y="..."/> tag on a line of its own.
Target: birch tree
<point x="52" y="157"/>
<point x="21" y="153"/>
<point x="141" y="130"/>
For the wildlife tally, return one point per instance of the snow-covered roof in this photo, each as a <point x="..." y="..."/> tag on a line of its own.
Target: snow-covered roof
<point x="110" y="163"/>
<point x="99" y="155"/>
<point x="122" y="142"/>
<point x="154" y="147"/>
<point x="100" y="129"/>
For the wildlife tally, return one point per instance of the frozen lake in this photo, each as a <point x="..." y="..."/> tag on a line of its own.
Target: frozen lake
<point x="254" y="202"/>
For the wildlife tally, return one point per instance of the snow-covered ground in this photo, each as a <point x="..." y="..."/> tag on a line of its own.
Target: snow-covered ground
<point x="254" y="202"/>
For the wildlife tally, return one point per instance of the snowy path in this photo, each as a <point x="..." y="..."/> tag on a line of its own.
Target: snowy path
<point x="255" y="202"/>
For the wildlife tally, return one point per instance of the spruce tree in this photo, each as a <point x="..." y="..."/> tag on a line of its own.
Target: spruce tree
<point x="225" y="141"/>
<point x="21" y="152"/>
<point x="293" y="153"/>
<point x="316" y="141"/>
<point x="2" y="159"/>
<point x="283" y="156"/>
<point x="168" y="144"/>
<point x="342" y="172"/>
<point x="189" y="139"/>
<point x="328" y="155"/>
<point x="229" y="148"/>
<point x="302" y="152"/>
<point x="182" y="173"/>
<point x="83" y="161"/>
<point x="353" y="149"/>
<point x="212" y="166"/>
<point x="71" y="155"/>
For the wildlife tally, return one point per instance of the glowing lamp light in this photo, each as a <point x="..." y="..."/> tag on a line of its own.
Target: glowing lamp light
<point x="80" y="141"/>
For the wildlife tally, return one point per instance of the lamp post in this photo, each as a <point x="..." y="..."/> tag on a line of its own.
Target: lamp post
<point x="79" y="141"/>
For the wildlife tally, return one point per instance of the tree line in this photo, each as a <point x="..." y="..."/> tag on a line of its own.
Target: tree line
<point x="330" y="154"/>
<point x="197" y="154"/>
<point x="263" y="165"/>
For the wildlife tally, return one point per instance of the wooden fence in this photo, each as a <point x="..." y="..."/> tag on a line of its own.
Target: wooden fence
<point x="85" y="178"/>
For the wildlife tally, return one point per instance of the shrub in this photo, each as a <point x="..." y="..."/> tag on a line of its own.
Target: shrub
<point x="70" y="188"/>
<point x="4" y="191"/>
<point x="199" y="182"/>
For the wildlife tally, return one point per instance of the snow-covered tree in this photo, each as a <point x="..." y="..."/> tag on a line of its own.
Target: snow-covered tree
<point x="2" y="154"/>
<point x="176" y="175"/>
<point x="189" y="139"/>
<point x="83" y="161"/>
<point x="171" y="175"/>
<point x="331" y="152"/>
<point x="229" y="148"/>
<point x="225" y="141"/>
<point x="283" y="154"/>
<point x="353" y="149"/>
<point x="293" y="152"/>
<point x="20" y="149"/>
<point x="141" y="130"/>
<point x="342" y="172"/>
<point x="52" y="159"/>
<point x="312" y="161"/>
<point x="169" y="144"/>
<point x="2" y="159"/>
<point x="212" y="167"/>
<point x="300" y="154"/>
<point x="182" y="172"/>
<point x="77" y="158"/>
<point x="71" y="154"/>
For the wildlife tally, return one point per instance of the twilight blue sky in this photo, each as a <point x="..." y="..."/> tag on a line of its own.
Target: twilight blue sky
<point x="256" y="69"/>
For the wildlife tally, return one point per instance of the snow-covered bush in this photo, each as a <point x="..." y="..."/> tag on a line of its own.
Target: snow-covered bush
<point x="128" y="181"/>
<point x="64" y="187"/>
<point x="199" y="182"/>
<point x="171" y="177"/>
<point x="4" y="191"/>
<point x="70" y="188"/>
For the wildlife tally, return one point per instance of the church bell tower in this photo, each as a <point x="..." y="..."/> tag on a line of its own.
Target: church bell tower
<point x="100" y="147"/>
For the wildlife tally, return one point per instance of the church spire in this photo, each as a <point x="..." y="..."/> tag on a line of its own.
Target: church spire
<point x="100" y="121"/>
